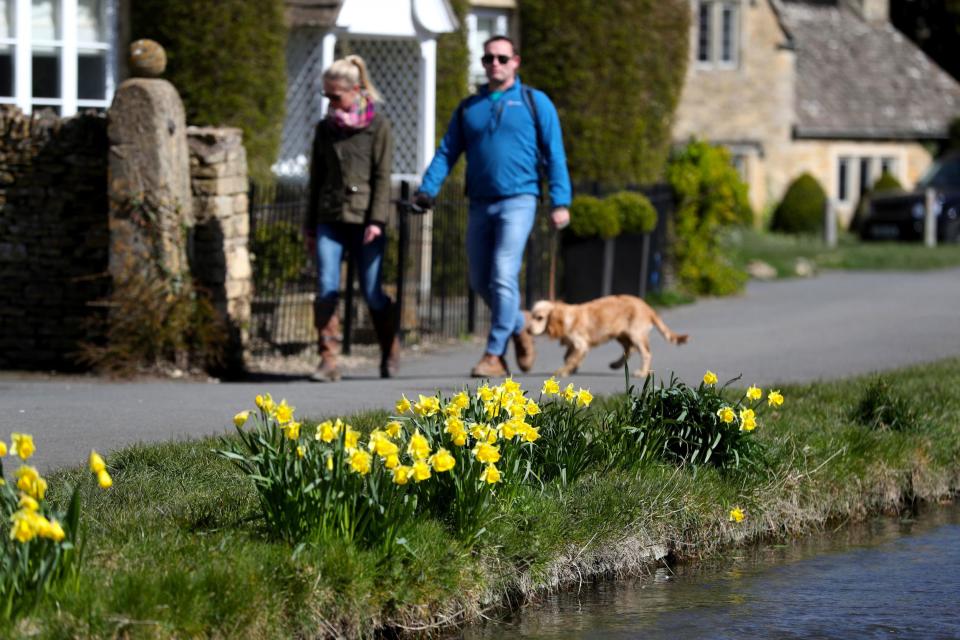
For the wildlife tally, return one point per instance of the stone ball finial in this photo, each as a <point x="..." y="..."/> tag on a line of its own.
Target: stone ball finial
<point x="147" y="59"/>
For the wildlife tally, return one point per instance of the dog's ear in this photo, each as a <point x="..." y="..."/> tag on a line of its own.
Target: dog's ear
<point x="555" y="322"/>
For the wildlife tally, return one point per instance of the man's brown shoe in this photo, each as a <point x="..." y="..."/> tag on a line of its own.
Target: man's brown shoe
<point x="523" y="345"/>
<point x="490" y="366"/>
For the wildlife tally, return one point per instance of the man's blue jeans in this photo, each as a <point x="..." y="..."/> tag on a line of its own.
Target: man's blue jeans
<point x="332" y="240"/>
<point x="497" y="232"/>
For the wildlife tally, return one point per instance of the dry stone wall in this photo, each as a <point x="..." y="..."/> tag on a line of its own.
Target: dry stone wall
<point x="54" y="239"/>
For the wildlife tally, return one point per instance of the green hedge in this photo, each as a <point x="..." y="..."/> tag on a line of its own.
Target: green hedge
<point x="226" y="59"/>
<point x="592" y="217"/>
<point x="801" y="210"/>
<point x="637" y="214"/>
<point x="614" y="71"/>
<point x="710" y="196"/>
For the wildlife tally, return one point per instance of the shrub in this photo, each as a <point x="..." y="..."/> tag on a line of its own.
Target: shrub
<point x="801" y="210"/>
<point x="569" y="440"/>
<point x="280" y="255"/>
<point x="39" y="544"/>
<point x="880" y="408"/>
<point x="710" y="195"/>
<point x="636" y="212"/>
<point x="226" y="59"/>
<point x="592" y="217"/>
<point x="696" y="426"/>
<point x="885" y="183"/>
<point x="453" y="60"/>
<point x="614" y="71"/>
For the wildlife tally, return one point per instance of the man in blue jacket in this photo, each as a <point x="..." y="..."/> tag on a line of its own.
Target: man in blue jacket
<point x="508" y="131"/>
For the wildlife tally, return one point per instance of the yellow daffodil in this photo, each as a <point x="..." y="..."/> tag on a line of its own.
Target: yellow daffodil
<point x="737" y="515"/>
<point x="726" y="414"/>
<point x="517" y="409"/>
<point x="392" y="461"/>
<point x="485" y="393"/>
<point x="418" y="448"/>
<point x="442" y="461"/>
<point x="754" y="393"/>
<point x="393" y="429"/>
<point x="401" y="474"/>
<point x="301" y="451"/>
<point x="360" y="461"/>
<point x="266" y="403"/>
<point x="569" y="394"/>
<point x="748" y="420"/>
<point x="329" y="463"/>
<point x="532" y="408"/>
<point x="24" y="526"/>
<point x="292" y="430"/>
<point x="427" y="406"/>
<point x="584" y="398"/>
<point x="421" y="471"/>
<point x="452" y="410"/>
<point x="30" y="482"/>
<point x="490" y="474"/>
<point x="22" y="445"/>
<point x="241" y="418"/>
<point x="454" y="426"/>
<point x="509" y="428"/>
<point x="96" y="462"/>
<point x="461" y="400"/>
<point x="326" y="431"/>
<point x="485" y="452"/>
<point x="403" y="405"/>
<point x="774" y="399"/>
<point x="284" y="412"/>
<point x="52" y="530"/>
<point x="3" y="448"/>
<point x="104" y="479"/>
<point x="385" y="448"/>
<point x="530" y="434"/>
<point x="28" y="503"/>
<point x="350" y="439"/>
<point x="550" y="387"/>
<point x="709" y="377"/>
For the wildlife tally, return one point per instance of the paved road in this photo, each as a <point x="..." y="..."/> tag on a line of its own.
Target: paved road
<point x="835" y="325"/>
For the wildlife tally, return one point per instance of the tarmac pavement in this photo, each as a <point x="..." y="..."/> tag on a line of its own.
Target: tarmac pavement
<point x="834" y="325"/>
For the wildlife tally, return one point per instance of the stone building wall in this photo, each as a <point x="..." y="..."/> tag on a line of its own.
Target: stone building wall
<point x="54" y="237"/>
<point x="219" y="255"/>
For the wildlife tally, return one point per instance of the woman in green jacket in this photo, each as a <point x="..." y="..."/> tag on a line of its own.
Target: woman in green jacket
<point x="349" y="205"/>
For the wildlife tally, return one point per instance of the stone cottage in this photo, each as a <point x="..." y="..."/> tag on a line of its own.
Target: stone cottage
<point x="828" y="87"/>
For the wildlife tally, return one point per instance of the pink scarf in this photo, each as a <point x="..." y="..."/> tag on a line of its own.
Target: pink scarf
<point x="359" y="116"/>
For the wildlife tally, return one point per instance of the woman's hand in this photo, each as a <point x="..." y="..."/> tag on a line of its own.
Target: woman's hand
<point x="371" y="233"/>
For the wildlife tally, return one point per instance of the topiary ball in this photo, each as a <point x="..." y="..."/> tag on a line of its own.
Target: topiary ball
<point x="637" y="215"/>
<point x="801" y="210"/>
<point x="148" y="59"/>
<point x="592" y="217"/>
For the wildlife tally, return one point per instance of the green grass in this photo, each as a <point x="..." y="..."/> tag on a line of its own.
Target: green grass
<point x="781" y="251"/>
<point x="176" y="548"/>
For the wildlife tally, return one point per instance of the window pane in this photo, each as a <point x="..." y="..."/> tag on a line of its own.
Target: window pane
<point x="45" y="20"/>
<point x="888" y="165"/>
<point x="6" y="70"/>
<point x="866" y="180"/>
<point x="90" y="21"/>
<point x="703" y="32"/>
<point x="46" y="72"/>
<point x="6" y="18"/>
<point x="729" y="36"/>
<point x="843" y="179"/>
<point x="92" y="75"/>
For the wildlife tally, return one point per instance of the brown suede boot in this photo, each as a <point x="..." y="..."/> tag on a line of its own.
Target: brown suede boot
<point x="386" y="324"/>
<point x="523" y="345"/>
<point x="490" y="366"/>
<point x="328" y="342"/>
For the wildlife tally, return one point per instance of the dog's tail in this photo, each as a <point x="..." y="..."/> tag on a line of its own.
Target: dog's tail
<point x="670" y="336"/>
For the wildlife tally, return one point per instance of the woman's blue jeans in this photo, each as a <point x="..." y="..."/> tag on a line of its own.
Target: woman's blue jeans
<point x="497" y="232"/>
<point x="332" y="240"/>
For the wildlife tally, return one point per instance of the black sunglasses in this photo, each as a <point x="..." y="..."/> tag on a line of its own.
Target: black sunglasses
<point x="488" y="58"/>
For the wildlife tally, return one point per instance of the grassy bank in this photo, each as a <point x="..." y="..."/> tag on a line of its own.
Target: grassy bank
<point x="176" y="547"/>
<point x="782" y="251"/>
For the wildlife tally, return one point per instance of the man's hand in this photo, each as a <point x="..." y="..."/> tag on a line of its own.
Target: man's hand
<point x="560" y="217"/>
<point x="371" y="233"/>
<point x="423" y="200"/>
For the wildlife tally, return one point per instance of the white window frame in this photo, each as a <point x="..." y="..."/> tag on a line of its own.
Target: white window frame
<point x="715" y="34"/>
<point x="475" y="45"/>
<point x="68" y="47"/>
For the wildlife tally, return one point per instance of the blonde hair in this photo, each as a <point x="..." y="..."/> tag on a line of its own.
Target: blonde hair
<point x="353" y="70"/>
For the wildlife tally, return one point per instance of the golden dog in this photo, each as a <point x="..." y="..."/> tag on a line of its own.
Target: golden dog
<point x="580" y="327"/>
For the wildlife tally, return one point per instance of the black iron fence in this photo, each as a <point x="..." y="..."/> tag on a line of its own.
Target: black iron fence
<point x="425" y="269"/>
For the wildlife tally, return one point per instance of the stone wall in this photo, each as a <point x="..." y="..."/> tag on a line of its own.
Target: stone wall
<point x="219" y="255"/>
<point x="54" y="237"/>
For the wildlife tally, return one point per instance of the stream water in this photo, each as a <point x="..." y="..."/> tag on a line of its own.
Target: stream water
<point x="888" y="578"/>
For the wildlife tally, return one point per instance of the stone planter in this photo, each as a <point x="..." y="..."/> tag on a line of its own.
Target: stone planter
<point x="594" y="267"/>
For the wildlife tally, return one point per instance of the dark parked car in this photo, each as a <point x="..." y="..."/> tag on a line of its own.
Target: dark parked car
<point x="899" y="215"/>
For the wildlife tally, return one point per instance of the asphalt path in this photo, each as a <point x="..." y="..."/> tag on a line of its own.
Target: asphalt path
<point x="835" y="325"/>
